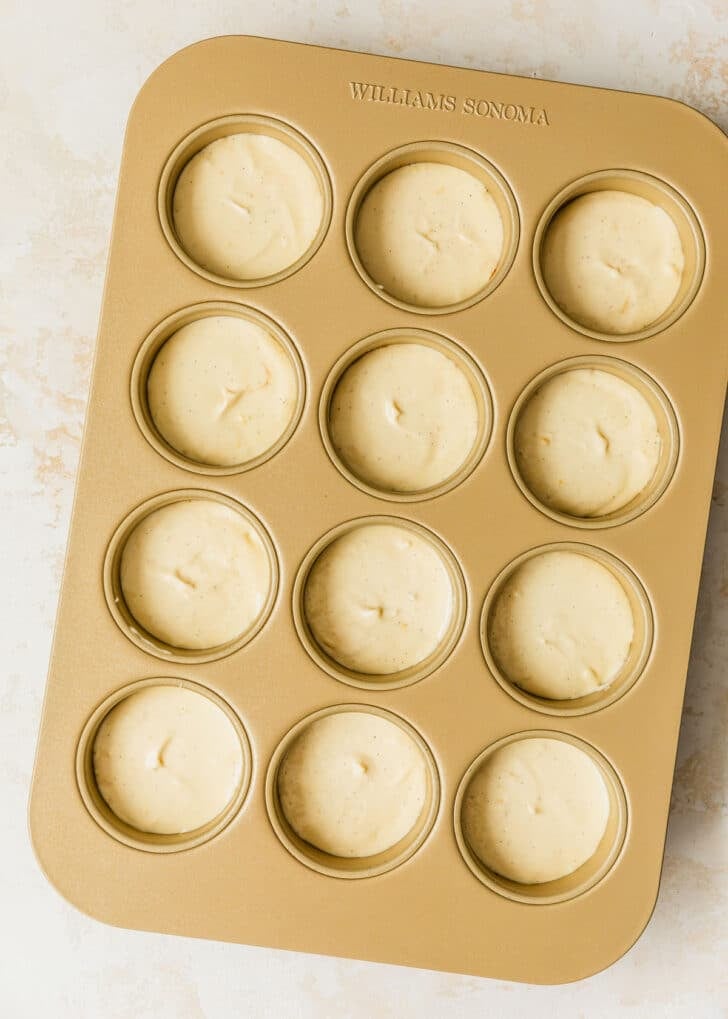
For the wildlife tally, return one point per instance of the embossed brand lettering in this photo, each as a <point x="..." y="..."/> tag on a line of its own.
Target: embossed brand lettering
<point x="416" y="99"/>
<point x="505" y="111"/>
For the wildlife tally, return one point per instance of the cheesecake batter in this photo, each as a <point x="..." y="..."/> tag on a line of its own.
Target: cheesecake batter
<point x="167" y="760"/>
<point x="613" y="261"/>
<point x="379" y="599"/>
<point x="247" y="206"/>
<point x="587" y="443"/>
<point x="429" y="234"/>
<point x="353" y="784"/>
<point x="536" y="810"/>
<point x="561" y="626"/>
<point x="404" y="417"/>
<point x="222" y="390"/>
<point x="195" y="574"/>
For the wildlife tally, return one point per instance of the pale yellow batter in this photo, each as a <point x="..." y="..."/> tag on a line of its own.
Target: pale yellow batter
<point x="536" y="810"/>
<point x="587" y="442"/>
<point x="429" y="234"/>
<point x="379" y="599"/>
<point x="167" y="760"/>
<point x="247" y="206"/>
<point x="613" y="261"/>
<point x="195" y="574"/>
<point x="404" y="417"/>
<point x="353" y="784"/>
<point x="222" y="390"/>
<point x="561" y="626"/>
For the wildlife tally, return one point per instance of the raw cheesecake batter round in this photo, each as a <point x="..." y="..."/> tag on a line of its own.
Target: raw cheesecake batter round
<point x="429" y="234"/>
<point x="247" y="206"/>
<point x="195" y="574"/>
<point x="536" y="810"/>
<point x="167" y="760"/>
<point x="404" y="417"/>
<point x="222" y="390"/>
<point x="379" y="599"/>
<point x="353" y="784"/>
<point x="587" y="442"/>
<point x="613" y="261"/>
<point x="561" y="626"/>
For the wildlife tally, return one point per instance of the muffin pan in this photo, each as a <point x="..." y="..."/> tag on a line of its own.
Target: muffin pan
<point x="427" y="901"/>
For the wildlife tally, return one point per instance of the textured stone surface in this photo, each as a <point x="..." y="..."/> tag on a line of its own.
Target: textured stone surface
<point x="67" y="78"/>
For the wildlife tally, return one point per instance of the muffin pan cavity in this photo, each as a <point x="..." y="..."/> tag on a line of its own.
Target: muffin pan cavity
<point x="557" y="816"/>
<point x="379" y="602"/>
<point x="412" y="421"/>
<point x="176" y="569"/>
<point x="566" y="619"/>
<point x="195" y="763"/>
<point x="224" y="378"/>
<point x="323" y="772"/>
<point x="245" y="200"/>
<point x="611" y="241"/>
<point x="432" y="227"/>
<point x="593" y="442"/>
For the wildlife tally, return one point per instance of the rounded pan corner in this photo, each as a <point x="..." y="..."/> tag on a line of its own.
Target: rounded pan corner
<point x="155" y="79"/>
<point x="40" y="846"/>
<point x="614" y="956"/>
<point x="698" y="120"/>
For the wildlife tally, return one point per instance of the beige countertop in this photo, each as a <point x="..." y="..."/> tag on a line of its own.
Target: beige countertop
<point x="68" y="76"/>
